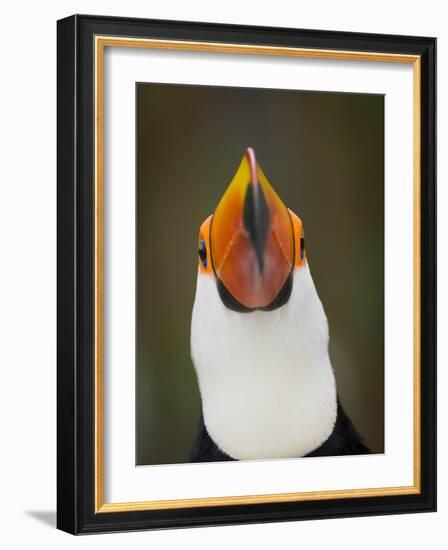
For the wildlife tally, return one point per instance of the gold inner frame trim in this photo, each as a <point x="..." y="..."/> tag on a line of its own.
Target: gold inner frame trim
<point x="101" y="42"/>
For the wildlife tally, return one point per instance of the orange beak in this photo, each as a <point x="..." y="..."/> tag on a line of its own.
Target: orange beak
<point x="252" y="242"/>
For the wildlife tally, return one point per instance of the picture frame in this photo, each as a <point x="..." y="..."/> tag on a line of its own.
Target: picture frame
<point x="82" y="41"/>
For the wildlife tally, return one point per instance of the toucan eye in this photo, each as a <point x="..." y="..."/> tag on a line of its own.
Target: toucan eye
<point x="203" y="253"/>
<point x="302" y="247"/>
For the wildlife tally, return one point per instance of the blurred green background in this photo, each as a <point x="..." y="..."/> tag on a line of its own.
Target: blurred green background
<point x="324" y="155"/>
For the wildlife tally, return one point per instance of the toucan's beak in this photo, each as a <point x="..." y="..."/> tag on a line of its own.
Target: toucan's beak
<point x="252" y="243"/>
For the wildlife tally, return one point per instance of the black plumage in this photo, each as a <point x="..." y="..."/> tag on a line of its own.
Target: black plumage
<point x="344" y="440"/>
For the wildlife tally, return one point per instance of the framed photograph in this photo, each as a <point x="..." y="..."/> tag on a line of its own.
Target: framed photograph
<point x="246" y="274"/>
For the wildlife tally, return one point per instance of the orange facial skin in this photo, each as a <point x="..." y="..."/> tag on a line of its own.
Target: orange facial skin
<point x="206" y="266"/>
<point x="299" y="240"/>
<point x="252" y="242"/>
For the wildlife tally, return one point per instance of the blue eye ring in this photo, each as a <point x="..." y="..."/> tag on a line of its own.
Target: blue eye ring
<point x="202" y="251"/>
<point x="302" y="246"/>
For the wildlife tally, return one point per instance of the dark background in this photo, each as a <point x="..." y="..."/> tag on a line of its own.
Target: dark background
<point x="324" y="155"/>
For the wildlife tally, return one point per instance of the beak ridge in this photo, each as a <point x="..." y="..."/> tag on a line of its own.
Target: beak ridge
<point x="257" y="220"/>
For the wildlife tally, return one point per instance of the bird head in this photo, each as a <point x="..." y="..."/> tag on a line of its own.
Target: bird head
<point x="266" y="381"/>
<point x="252" y="242"/>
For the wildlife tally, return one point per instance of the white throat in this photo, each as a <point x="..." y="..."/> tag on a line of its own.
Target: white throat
<point x="266" y="381"/>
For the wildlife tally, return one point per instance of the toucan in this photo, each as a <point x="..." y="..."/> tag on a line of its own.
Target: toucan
<point x="259" y="335"/>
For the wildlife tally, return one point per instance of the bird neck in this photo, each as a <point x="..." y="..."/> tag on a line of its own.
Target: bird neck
<point x="266" y="381"/>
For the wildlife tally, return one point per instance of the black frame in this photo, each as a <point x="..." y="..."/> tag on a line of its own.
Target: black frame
<point x="75" y="297"/>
